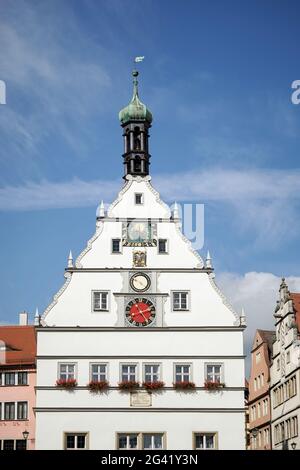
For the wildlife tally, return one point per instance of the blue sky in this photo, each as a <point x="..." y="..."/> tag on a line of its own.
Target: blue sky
<point x="217" y="77"/>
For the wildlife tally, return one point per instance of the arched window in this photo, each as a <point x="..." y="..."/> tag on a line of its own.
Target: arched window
<point x="127" y="141"/>
<point x="137" y="164"/>
<point x="137" y="138"/>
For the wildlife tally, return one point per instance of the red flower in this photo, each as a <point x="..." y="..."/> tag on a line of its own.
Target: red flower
<point x="184" y="385"/>
<point x="210" y="385"/>
<point x="128" y="385"/>
<point x="96" y="386"/>
<point x="66" y="383"/>
<point x="153" y="385"/>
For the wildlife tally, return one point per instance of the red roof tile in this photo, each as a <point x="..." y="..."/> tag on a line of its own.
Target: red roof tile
<point x="296" y="302"/>
<point x="20" y="342"/>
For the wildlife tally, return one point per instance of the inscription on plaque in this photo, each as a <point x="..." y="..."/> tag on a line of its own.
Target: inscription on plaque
<point x="140" y="399"/>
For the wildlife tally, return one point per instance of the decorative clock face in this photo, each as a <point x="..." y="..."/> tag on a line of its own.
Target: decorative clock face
<point x="140" y="312"/>
<point x="139" y="232"/>
<point x="140" y="282"/>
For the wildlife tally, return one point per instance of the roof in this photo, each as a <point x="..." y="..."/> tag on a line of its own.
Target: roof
<point x="20" y="345"/>
<point x="267" y="336"/>
<point x="136" y="110"/>
<point x="296" y="303"/>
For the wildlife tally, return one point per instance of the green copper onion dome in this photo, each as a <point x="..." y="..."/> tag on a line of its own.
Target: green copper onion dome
<point x="136" y="110"/>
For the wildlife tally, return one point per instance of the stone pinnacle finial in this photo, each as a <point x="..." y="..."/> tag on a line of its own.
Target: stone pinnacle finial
<point x="70" y="260"/>
<point x="243" y="317"/>
<point x="37" y="317"/>
<point x="102" y="209"/>
<point x="175" y="211"/>
<point x="208" y="261"/>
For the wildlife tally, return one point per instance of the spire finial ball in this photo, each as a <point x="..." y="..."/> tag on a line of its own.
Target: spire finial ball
<point x="135" y="73"/>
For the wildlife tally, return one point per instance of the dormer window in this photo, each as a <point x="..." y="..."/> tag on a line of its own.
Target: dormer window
<point x="139" y="199"/>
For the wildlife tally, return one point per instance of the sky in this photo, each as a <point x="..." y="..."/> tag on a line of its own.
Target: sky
<point x="217" y="77"/>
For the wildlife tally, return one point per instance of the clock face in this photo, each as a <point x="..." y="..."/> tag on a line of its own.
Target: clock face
<point x="140" y="282"/>
<point x="140" y="312"/>
<point x="139" y="232"/>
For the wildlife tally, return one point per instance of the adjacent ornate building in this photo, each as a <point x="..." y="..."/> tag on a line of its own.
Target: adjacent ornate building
<point x="259" y="391"/>
<point x="285" y="371"/>
<point x="17" y="382"/>
<point x="139" y="349"/>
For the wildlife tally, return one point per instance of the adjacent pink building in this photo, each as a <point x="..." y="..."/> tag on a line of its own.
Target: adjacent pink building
<point x="17" y="382"/>
<point x="259" y="391"/>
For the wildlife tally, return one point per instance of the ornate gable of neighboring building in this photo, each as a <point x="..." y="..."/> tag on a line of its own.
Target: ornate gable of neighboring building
<point x="296" y="304"/>
<point x="264" y="336"/>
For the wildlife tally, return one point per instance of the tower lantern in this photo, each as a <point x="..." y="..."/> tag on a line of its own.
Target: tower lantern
<point x="136" y="120"/>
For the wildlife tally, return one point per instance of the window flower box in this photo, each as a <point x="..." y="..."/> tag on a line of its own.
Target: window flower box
<point x="98" y="386"/>
<point x="66" y="383"/>
<point x="184" y="385"/>
<point x="128" y="385"/>
<point x="153" y="385"/>
<point x="210" y="385"/>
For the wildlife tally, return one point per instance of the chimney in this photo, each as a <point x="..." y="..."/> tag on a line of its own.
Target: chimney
<point x="23" y="318"/>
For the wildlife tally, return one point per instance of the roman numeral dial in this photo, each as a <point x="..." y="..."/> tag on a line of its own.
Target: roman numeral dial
<point x="140" y="312"/>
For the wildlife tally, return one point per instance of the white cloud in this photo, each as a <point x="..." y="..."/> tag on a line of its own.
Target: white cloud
<point x="266" y="189"/>
<point x="257" y="294"/>
<point x="54" y="84"/>
<point x="262" y="202"/>
<point x="47" y="195"/>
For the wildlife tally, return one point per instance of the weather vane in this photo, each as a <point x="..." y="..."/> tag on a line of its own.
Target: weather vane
<point x="139" y="59"/>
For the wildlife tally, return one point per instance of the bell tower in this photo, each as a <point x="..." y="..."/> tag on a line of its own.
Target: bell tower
<point x="136" y="120"/>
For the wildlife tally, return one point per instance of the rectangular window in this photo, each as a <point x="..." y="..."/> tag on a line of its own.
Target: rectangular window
<point x="10" y="378"/>
<point x="162" y="245"/>
<point x="288" y="357"/>
<point x="128" y="373"/>
<point x="180" y="301"/>
<point x="205" y="441"/>
<point x="267" y="438"/>
<point x="258" y="382"/>
<point x="100" y="301"/>
<point x="116" y="245"/>
<point x="139" y="199"/>
<point x="67" y="371"/>
<point x="278" y="364"/>
<point x="151" y="372"/>
<point x="213" y="372"/>
<point x="9" y="411"/>
<point x="22" y="378"/>
<point x="127" y="441"/>
<point x="182" y="373"/>
<point x="98" y="372"/>
<point x="258" y="409"/>
<point x="22" y="410"/>
<point x="75" y="441"/>
<point x="152" y="441"/>
<point x="21" y="444"/>
<point x="295" y="426"/>
<point x="8" y="444"/>
<point x="294" y="386"/>
<point x="255" y="384"/>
